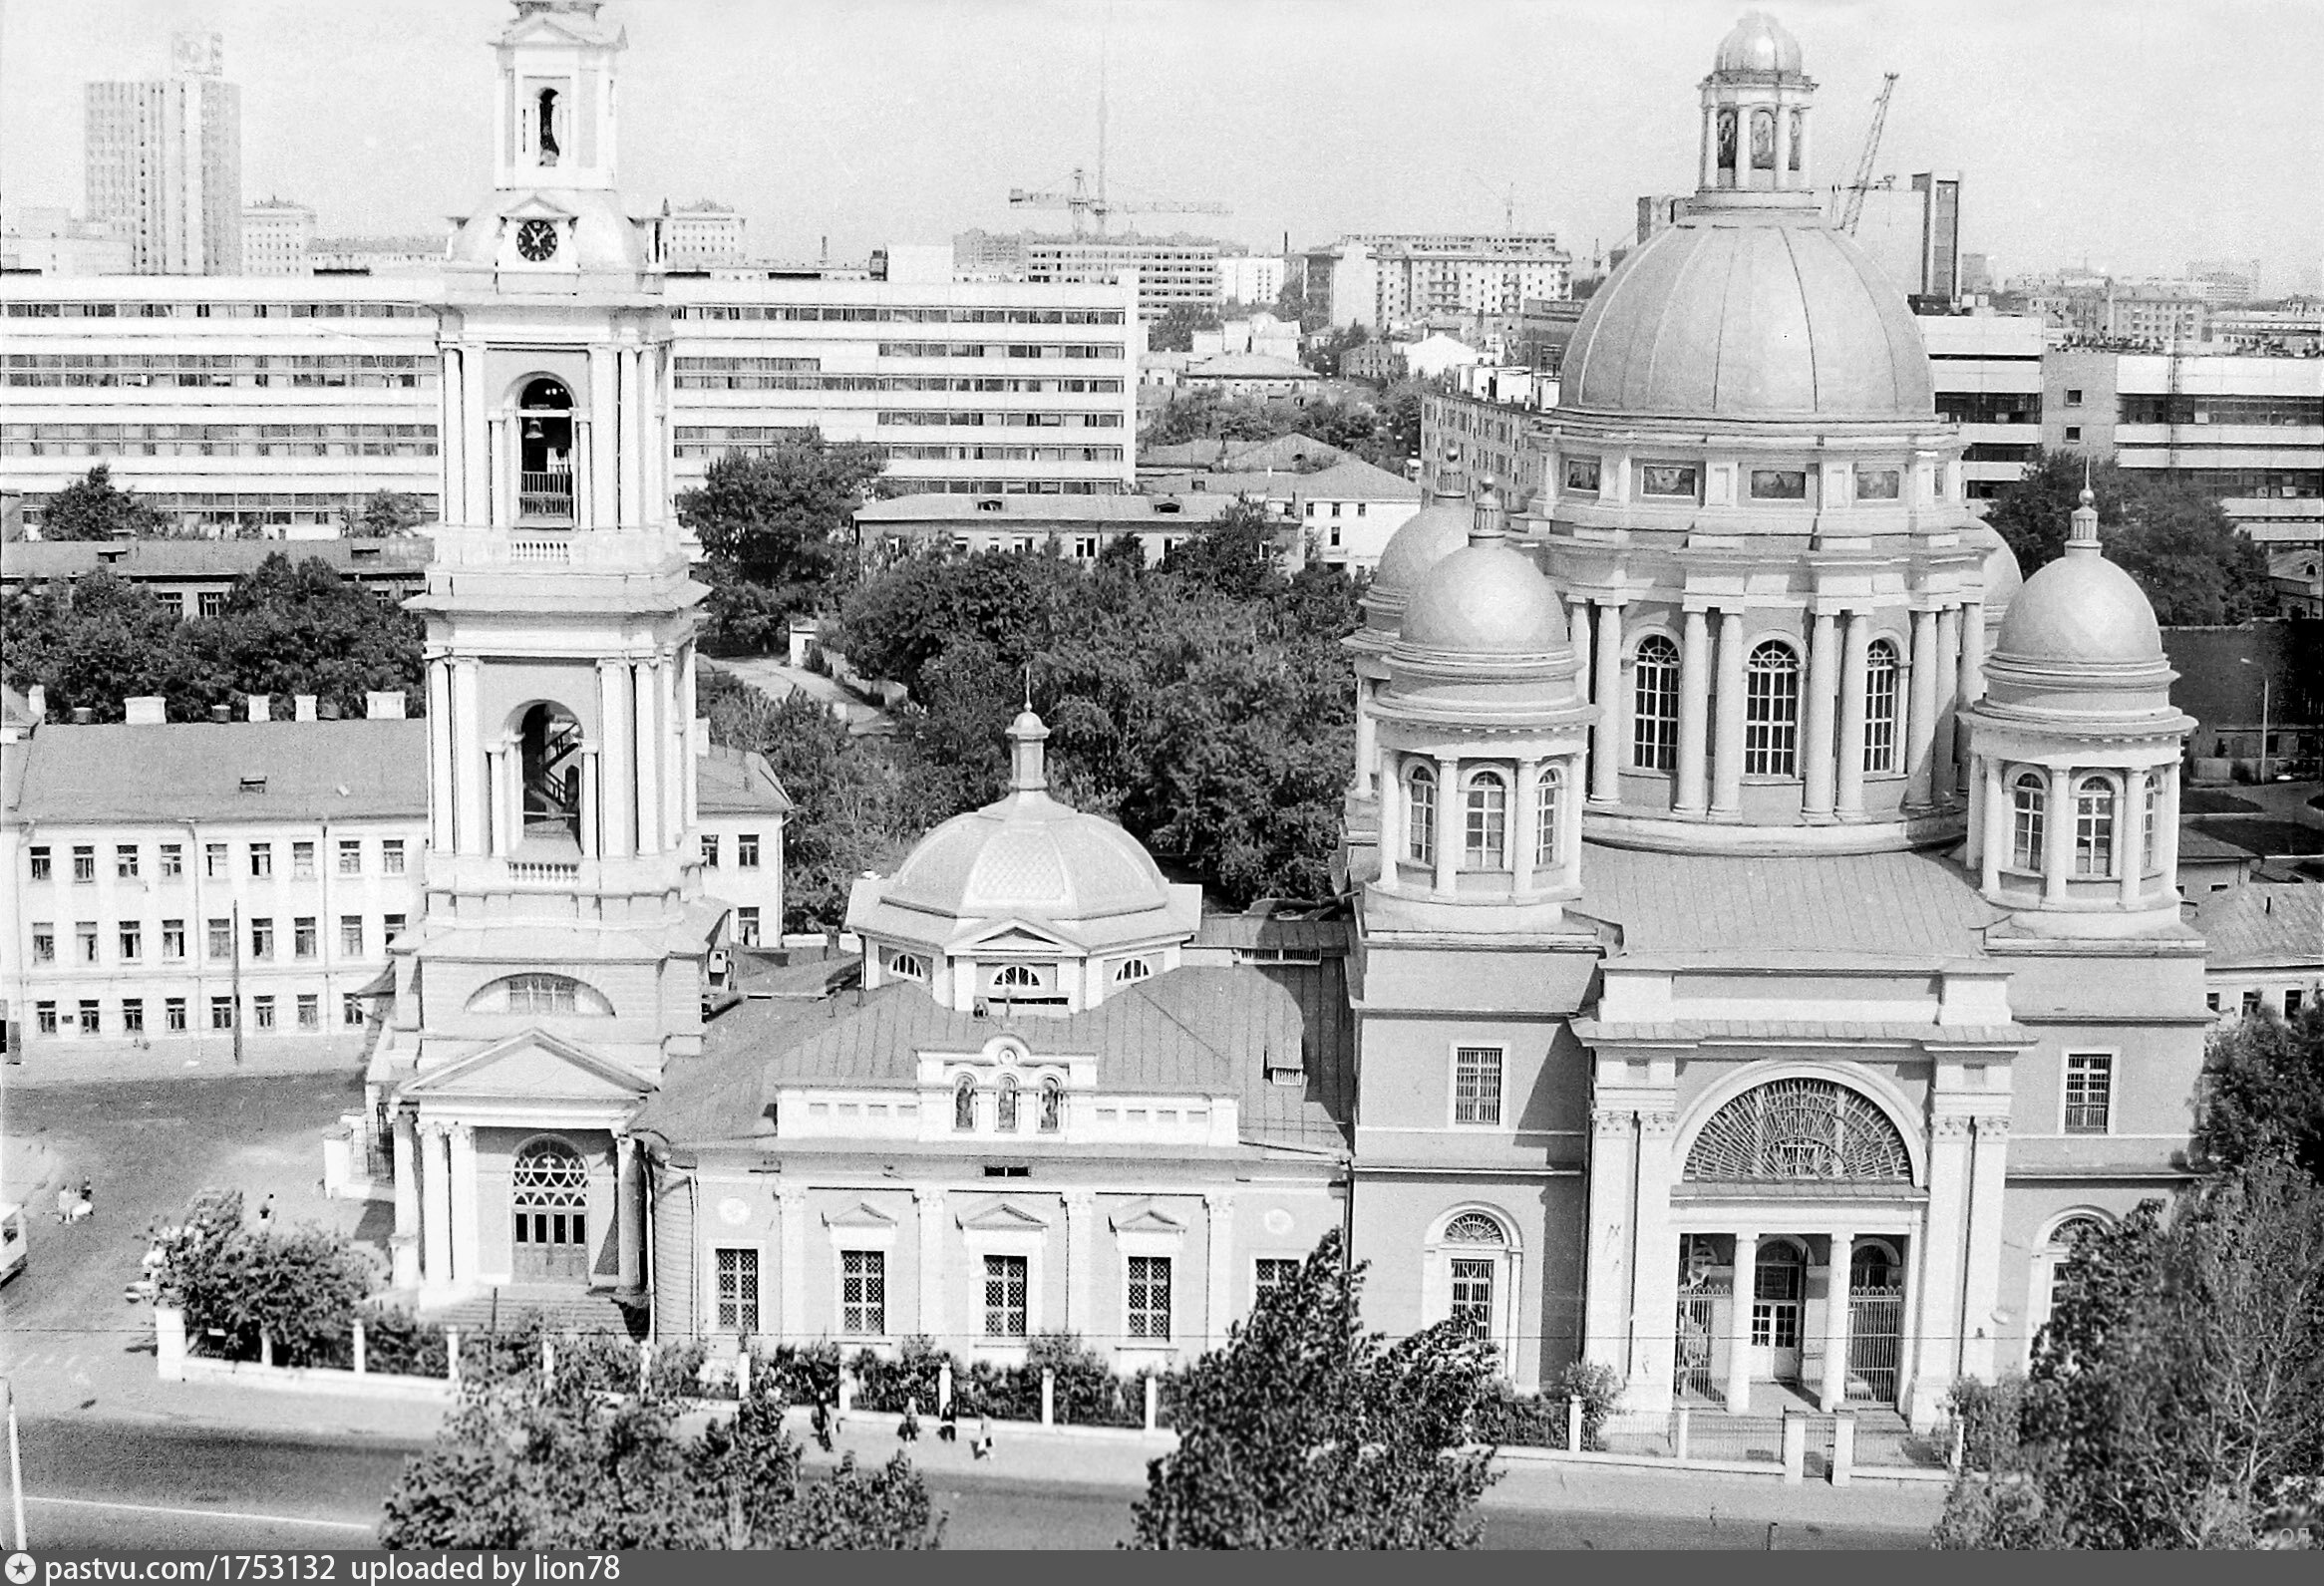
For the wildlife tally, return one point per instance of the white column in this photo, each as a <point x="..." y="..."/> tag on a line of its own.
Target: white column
<point x="1946" y="771"/>
<point x="1570" y="833"/>
<point x="678" y="738"/>
<point x="585" y="499"/>
<point x="589" y="800"/>
<point x="476" y="445"/>
<point x="1855" y="655"/>
<point x="440" y="755"/>
<point x="2166" y="831"/>
<point x="605" y="480"/>
<point x="1981" y="1276"/>
<point x="1392" y="844"/>
<point x="1610" y="738"/>
<point x="1938" y="1304"/>
<point x="1523" y="822"/>
<point x="1727" y="760"/>
<point x="1920" y="717"/>
<point x="1606" y="1302"/>
<point x="1994" y="823"/>
<point x="1972" y="675"/>
<point x="1654" y="1269"/>
<point x="628" y="1214"/>
<point x="451" y="433"/>
<point x="1836" y="1324"/>
<point x="1822" y="710"/>
<point x="650" y="838"/>
<point x="1739" y="1323"/>
<point x="632" y="441"/>
<point x="655" y="489"/>
<point x="1694" y="713"/>
<point x="406" y="1244"/>
<point x="1081" y="1239"/>
<point x="2058" y="835"/>
<point x="1367" y="740"/>
<point x="504" y="838"/>
<point x="1577" y="633"/>
<point x="467" y="775"/>
<point x="463" y="1203"/>
<point x="435" y="1205"/>
<point x="1448" y="825"/>
<point x="931" y="1266"/>
<point x="793" y="1232"/>
<point x="2130" y="835"/>
<point x="616" y="781"/>
<point x="1218" y="1292"/>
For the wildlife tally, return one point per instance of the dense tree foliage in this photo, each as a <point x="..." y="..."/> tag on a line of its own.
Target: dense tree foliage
<point x="286" y="628"/>
<point x="779" y="530"/>
<point x="1174" y="331"/>
<point x="297" y="1287"/>
<point x="383" y="513"/>
<point x="561" y="1465"/>
<point x="2176" y="1395"/>
<point x="92" y="509"/>
<point x="1305" y="1432"/>
<point x="2262" y="1094"/>
<point x="2193" y="564"/>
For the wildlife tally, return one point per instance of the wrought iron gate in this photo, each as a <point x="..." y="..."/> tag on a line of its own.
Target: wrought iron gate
<point x="1875" y="1343"/>
<point x="1692" y="1357"/>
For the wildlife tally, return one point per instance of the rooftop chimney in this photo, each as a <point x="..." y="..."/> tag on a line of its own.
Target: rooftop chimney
<point x="302" y="707"/>
<point x="36" y="700"/>
<point x="82" y="715"/>
<point x="262" y="708"/>
<point x="221" y="713"/>
<point x="145" y="709"/>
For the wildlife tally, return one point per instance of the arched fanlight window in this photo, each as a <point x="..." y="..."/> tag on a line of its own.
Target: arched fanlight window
<point x="1485" y="822"/>
<point x="1771" y="712"/>
<point x="1017" y="977"/>
<point x="1548" y="801"/>
<point x="1880" y="676"/>
<point x="1419" y="821"/>
<point x="1006" y="1106"/>
<point x="1131" y="969"/>
<point x="538" y="994"/>
<point x="1052" y="1104"/>
<point x="2029" y="796"/>
<point x="1654" y="711"/>
<point x="2094" y="827"/>
<point x="1800" y="1128"/>
<point x="964" y="1102"/>
<point x="1476" y="1244"/>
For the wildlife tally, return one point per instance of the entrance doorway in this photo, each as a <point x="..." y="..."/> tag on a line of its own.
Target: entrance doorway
<point x="1778" y="1286"/>
<point x="549" y="1192"/>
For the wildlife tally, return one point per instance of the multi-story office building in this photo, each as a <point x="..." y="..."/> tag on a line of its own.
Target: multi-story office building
<point x="276" y="234"/>
<point x="1914" y="234"/>
<point x="1255" y="278"/>
<point x="697" y="236"/>
<point x="2249" y="430"/>
<point x="989" y="256"/>
<point x="410" y="255"/>
<point x="164" y="161"/>
<point x="1389" y="278"/>
<point x="1172" y="273"/>
<point x="1986" y="371"/>
<point x="54" y="241"/>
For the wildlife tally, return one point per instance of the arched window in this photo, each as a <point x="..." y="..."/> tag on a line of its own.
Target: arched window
<point x="1477" y="1244"/>
<point x="1006" y="1105"/>
<point x="1800" y="1128"/>
<point x="1654" y="713"/>
<point x="1017" y="977"/>
<point x="1052" y="1104"/>
<point x="1420" y="821"/>
<point x="1880" y="672"/>
<point x="1548" y="797"/>
<point x="548" y="1192"/>
<point x="2055" y="1269"/>
<point x="1799" y="137"/>
<point x="1871" y="1266"/>
<point x="547" y="108"/>
<point x="2094" y="827"/>
<point x="1485" y="820"/>
<point x="1131" y="969"/>
<point x="964" y="1102"/>
<point x="2150" y="847"/>
<point x="905" y="966"/>
<point x="2028" y="796"/>
<point x="539" y="994"/>
<point x="1771" y="712"/>
<point x="1763" y="140"/>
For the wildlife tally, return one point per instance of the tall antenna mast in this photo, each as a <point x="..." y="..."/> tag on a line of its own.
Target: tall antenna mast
<point x="1101" y="111"/>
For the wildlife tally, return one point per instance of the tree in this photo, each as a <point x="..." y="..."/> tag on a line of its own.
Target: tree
<point x="91" y="643"/>
<point x="1305" y="1432"/>
<point x="1324" y="353"/>
<point x="290" y="629"/>
<point x="298" y="1288"/>
<point x="1234" y="554"/>
<point x="384" y="513"/>
<point x="2192" y="562"/>
<point x="784" y="519"/>
<point x="2176" y="1395"/>
<point x="2262" y="1094"/>
<point x="92" y="509"/>
<point x="1174" y="331"/>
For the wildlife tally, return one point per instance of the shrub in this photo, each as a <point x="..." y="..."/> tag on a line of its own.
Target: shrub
<point x="802" y="1375"/>
<point x="298" y="1287"/>
<point x="603" y="1362"/>
<point x="1988" y="1415"/>
<point x="1509" y="1418"/>
<point x="1599" y="1388"/>
<point x="398" y="1343"/>
<point x="892" y="1384"/>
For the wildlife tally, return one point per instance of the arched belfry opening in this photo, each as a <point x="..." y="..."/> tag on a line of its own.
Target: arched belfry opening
<point x="546" y="109"/>
<point x="544" y="429"/>
<point x="549" y="746"/>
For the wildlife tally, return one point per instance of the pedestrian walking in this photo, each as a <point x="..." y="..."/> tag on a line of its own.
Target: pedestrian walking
<point x="822" y="1425"/>
<point x="267" y="1212"/>
<point x="908" y="1429"/>
<point x="984" y="1446"/>
<point x="948" y="1423"/>
<point x="65" y="1202"/>
<point x="88" y="1199"/>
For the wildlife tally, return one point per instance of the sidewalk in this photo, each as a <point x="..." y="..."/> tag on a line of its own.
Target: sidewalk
<point x="50" y="1062"/>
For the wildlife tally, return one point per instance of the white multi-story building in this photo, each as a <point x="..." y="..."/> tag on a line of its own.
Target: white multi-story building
<point x="1382" y="279"/>
<point x="1172" y="273"/>
<point x="1986" y="371"/>
<point x="164" y="159"/>
<point x="697" y="236"/>
<point x="1250" y="277"/>
<point x="276" y="234"/>
<point x="53" y="242"/>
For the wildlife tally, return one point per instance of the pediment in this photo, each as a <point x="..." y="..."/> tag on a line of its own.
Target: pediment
<point x="1147" y="1217"/>
<point x="536" y="207"/>
<point x="860" y="1215"/>
<point x="1005" y="1217"/>
<point x="1018" y="935"/>
<point x="531" y="1065"/>
<point x="548" y="28"/>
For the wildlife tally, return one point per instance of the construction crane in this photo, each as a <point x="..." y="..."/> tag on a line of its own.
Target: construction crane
<point x="1864" y="184"/>
<point x="1087" y="204"/>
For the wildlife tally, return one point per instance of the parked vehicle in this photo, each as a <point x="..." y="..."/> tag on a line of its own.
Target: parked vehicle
<point x="13" y="1241"/>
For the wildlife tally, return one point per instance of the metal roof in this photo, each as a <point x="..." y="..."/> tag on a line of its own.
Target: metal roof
<point x="229" y="770"/>
<point x="2264" y="924"/>
<point x="34" y="559"/>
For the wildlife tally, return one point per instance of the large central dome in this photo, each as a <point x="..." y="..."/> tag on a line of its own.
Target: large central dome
<point x="1750" y="315"/>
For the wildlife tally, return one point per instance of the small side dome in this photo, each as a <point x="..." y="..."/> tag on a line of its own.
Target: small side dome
<point x="1426" y="539"/>
<point x="1761" y="45"/>
<point x="2082" y="609"/>
<point x="2002" y="578"/>
<point x="1486" y="598"/>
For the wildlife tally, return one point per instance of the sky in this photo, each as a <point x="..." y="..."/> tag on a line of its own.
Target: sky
<point x="2136" y="135"/>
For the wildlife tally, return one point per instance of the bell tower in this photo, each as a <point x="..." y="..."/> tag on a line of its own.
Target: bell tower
<point x="561" y="961"/>
<point x="1756" y="110"/>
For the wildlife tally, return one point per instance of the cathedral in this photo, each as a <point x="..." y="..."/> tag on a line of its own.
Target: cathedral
<point x="1759" y="944"/>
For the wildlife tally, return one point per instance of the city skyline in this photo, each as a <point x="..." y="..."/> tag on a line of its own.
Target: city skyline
<point x="1315" y="119"/>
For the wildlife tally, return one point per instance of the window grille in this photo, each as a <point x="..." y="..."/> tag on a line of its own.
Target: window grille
<point x="1771" y="712"/>
<point x="1273" y="1272"/>
<point x="1473" y="1296"/>
<point x="1473" y="1227"/>
<point x="907" y="966"/>
<point x="864" y="1293"/>
<point x="1419" y="821"/>
<point x="2094" y="827"/>
<point x="1880" y="676"/>
<point x="1545" y="801"/>
<point x="1017" y="977"/>
<point x="1477" y="1085"/>
<point x="964" y="1103"/>
<point x="1131" y="969"/>
<point x="1800" y="1128"/>
<point x="1150" y="1297"/>
<point x="1006" y="1115"/>
<point x="738" y="1290"/>
<point x="1051" y="1105"/>
<point x="1486" y="820"/>
<point x="2090" y="1083"/>
<point x="2027" y="798"/>
<point x="1004" y="1296"/>
<point x="539" y="994"/>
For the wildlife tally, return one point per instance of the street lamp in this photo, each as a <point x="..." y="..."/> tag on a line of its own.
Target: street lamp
<point x="2266" y="682"/>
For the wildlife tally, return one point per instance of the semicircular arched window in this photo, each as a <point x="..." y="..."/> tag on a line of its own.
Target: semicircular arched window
<point x="549" y="1175"/>
<point x="1474" y="1227"/>
<point x="1771" y="712"/>
<point x="539" y="994"/>
<point x="1800" y="1128"/>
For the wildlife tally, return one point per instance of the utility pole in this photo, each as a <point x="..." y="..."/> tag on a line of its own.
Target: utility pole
<point x="235" y="1017"/>
<point x="15" y="1461"/>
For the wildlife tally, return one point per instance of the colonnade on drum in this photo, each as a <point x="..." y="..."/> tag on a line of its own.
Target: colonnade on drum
<point x="620" y="437"/>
